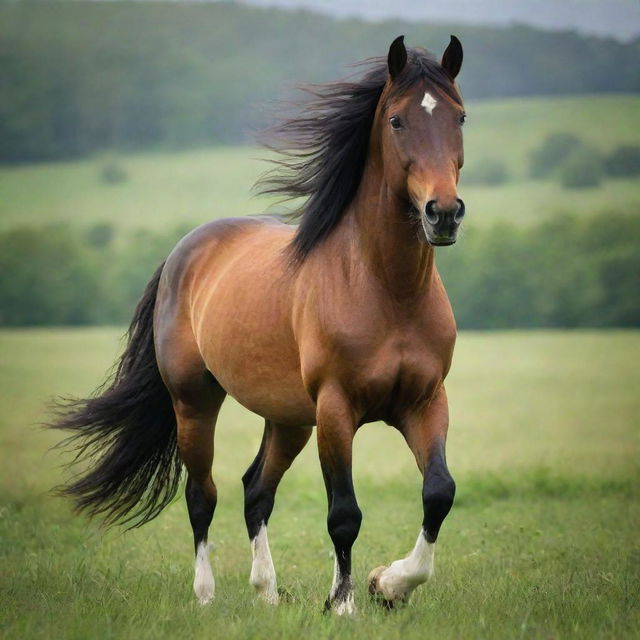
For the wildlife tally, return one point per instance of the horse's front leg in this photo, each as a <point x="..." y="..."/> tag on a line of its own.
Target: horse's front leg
<point x="336" y="428"/>
<point x="425" y="433"/>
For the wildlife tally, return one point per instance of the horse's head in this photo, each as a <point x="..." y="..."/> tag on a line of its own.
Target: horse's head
<point x="420" y="119"/>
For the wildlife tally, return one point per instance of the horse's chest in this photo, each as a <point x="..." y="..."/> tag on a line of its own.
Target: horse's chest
<point x="385" y="377"/>
<point x="398" y="379"/>
<point x="385" y="361"/>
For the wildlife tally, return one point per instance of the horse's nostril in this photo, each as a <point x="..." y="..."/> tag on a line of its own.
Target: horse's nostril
<point x="430" y="212"/>
<point x="459" y="214"/>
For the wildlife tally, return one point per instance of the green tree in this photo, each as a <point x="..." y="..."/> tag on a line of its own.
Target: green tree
<point x="545" y="159"/>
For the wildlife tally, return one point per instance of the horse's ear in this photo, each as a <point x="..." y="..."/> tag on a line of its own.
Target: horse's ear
<point x="452" y="58"/>
<point x="397" y="58"/>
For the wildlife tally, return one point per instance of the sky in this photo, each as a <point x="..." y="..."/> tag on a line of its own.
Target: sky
<point x="617" y="18"/>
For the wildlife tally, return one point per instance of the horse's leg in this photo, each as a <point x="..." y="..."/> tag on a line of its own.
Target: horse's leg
<point x="425" y="434"/>
<point x="280" y="445"/>
<point x="336" y="428"/>
<point x="196" y="419"/>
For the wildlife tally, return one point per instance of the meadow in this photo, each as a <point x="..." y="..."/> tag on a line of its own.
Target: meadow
<point x="164" y="189"/>
<point x="544" y="442"/>
<point x="542" y="541"/>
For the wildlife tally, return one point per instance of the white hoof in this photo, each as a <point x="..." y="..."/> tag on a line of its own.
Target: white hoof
<point x="204" y="585"/>
<point x="263" y="573"/>
<point x="345" y="607"/>
<point x="396" y="583"/>
<point x="268" y="596"/>
<point x="264" y="583"/>
<point x="392" y="586"/>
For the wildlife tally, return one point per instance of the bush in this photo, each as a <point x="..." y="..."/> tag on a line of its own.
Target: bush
<point x="49" y="277"/>
<point x="568" y="271"/>
<point x="623" y="161"/>
<point x="112" y="172"/>
<point x="581" y="170"/>
<point x="100" y="235"/>
<point x="490" y="171"/>
<point x="552" y="153"/>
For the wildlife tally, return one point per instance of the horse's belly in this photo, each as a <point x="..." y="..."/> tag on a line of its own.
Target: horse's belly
<point x="290" y="409"/>
<point x="273" y="392"/>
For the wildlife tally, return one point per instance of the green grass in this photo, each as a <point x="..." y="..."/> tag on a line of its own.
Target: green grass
<point x="162" y="189"/>
<point x="166" y="189"/>
<point x="542" y="543"/>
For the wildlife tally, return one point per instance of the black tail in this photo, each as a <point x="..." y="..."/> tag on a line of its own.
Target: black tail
<point x="126" y="433"/>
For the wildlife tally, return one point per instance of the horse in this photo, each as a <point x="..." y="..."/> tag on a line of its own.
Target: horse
<point x="337" y="322"/>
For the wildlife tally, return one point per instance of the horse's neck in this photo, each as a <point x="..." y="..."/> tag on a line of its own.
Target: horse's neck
<point x="385" y="239"/>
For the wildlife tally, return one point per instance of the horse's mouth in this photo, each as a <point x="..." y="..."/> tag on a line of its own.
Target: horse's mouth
<point x="441" y="242"/>
<point x="435" y="241"/>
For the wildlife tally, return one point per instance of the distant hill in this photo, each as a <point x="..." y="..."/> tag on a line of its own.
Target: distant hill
<point x="158" y="191"/>
<point x="80" y="77"/>
<point x="617" y="18"/>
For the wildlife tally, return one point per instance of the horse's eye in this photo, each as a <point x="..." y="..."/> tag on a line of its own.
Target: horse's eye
<point x="463" y="117"/>
<point x="395" y="122"/>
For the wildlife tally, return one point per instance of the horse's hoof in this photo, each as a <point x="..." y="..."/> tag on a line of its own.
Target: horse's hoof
<point x="204" y="596"/>
<point x="373" y="579"/>
<point x="204" y="588"/>
<point x="374" y="589"/>
<point x="204" y="585"/>
<point x="269" y="597"/>
<point x="340" y="608"/>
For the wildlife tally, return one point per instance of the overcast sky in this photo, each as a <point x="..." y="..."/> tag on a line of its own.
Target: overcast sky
<point x="619" y="18"/>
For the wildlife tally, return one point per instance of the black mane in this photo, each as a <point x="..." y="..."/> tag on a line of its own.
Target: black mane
<point x="323" y="151"/>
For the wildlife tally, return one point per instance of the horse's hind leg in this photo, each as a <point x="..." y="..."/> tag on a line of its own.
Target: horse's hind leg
<point x="196" y="413"/>
<point x="425" y="434"/>
<point x="280" y="445"/>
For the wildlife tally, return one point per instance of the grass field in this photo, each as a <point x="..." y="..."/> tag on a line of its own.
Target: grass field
<point x="190" y="187"/>
<point x="542" y="542"/>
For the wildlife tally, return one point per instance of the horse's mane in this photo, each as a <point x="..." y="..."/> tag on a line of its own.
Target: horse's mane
<point x="323" y="151"/>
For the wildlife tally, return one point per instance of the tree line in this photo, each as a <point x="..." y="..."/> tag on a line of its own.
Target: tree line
<point x="566" y="272"/>
<point x="80" y="77"/>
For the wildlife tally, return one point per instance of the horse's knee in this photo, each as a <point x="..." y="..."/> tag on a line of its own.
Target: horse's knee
<point x="437" y="497"/>
<point x="344" y="521"/>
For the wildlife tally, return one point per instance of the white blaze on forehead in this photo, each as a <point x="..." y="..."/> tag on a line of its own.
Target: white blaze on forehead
<point x="428" y="102"/>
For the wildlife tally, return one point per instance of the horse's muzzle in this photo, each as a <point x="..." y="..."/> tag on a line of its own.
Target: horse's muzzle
<point x="441" y="225"/>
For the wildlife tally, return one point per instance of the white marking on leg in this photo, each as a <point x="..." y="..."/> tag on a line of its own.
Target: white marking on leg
<point x="403" y="576"/>
<point x="347" y="605"/>
<point x="263" y="573"/>
<point x="429" y="103"/>
<point x="204" y="585"/>
<point x="336" y="574"/>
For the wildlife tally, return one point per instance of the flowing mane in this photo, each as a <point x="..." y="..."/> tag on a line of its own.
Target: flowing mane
<point x="323" y="151"/>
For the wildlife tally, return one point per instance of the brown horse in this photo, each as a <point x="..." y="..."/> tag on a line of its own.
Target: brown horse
<point x="340" y="322"/>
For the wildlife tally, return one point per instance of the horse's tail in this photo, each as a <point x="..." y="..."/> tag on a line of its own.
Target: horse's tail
<point x="126" y="433"/>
